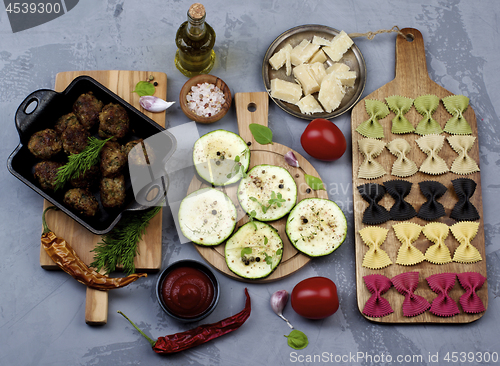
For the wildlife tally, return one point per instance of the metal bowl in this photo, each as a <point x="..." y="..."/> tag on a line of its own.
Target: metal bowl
<point x="353" y="58"/>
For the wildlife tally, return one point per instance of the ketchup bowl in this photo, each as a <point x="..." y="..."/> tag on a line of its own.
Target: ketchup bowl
<point x="187" y="290"/>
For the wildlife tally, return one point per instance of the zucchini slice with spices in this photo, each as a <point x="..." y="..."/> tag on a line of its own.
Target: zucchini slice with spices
<point x="207" y="216"/>
<point x="220" y="157"/>
<point x="269" y="191"/>
<point x="316" y="226"/>
<point x="254" y="251"/>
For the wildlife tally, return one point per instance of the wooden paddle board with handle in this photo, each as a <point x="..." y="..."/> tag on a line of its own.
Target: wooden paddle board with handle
<point x="122" y="83"/>
<point x="253" y="108"/>
<point x="412" y="80"/>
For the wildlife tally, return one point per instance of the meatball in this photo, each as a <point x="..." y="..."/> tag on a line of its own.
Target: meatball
<point x="45" y="144"/>
<point x="46" y="173"/>
<point x="113" y="191"/>
<point x="75" y="137"/>
<point x="113" y="121"/>
<point x="112" y="159"/>
<point x="89" y="179"/>
<point x="136" y="157"/>
<point x="87" y="108"/>
<point x="63" y="122"/>
<point x="82" y="201"/>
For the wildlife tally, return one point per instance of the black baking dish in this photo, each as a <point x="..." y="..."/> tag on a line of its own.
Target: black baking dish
<point x="49" y="106"/>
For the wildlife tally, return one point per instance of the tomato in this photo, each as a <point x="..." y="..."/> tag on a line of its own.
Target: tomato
<point x="315" y="298"/>
<point x="323" y="140"/>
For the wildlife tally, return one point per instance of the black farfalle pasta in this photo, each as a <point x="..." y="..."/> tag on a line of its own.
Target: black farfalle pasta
<point x="432" y="209"/>
<point x="399" y="189"/>
<point x="464" y="210"/>
<point x="374" y="214"/>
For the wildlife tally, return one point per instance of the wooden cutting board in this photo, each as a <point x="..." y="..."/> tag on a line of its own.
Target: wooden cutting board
<point x="253" y="108"/>
<point x="412" y="80"/>
<point x="83" y="241"/>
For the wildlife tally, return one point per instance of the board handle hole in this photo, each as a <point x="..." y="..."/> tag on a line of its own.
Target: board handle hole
<point x="410" y="37"/>
<point x="252" y="107"/>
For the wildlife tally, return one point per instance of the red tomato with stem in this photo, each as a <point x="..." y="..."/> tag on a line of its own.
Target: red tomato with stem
<point x="323" y="140"/>
<point x="315" y="298"/>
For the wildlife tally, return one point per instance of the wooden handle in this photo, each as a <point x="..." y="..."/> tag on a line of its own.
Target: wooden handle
<point x="251" y="108"/>
<point x="96" y="307"/>
<point x="410" y="55"/>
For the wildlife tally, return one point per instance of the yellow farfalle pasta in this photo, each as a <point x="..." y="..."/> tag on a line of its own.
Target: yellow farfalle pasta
<point x="403" y="166"/>
<point x="438" y="253"/>
<point x="369" y="168"/>
<point x="463" y="164"/>
<point x="407" y="233"/>
<point x="465" y="232"/>
<point x="432" y="145"/>
<point x="374" y="237"/>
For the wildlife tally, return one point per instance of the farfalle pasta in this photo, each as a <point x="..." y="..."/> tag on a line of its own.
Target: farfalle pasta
<point x="463" y="164"/>
<point x="403" y="167"/>
<point x="465" y="232"/>
<point x="374" y="237"/>
<point x="431" y="209"/>
<point x="400" y="106"/>
<point x="376" y="306"/>
<point x="464" y="210"/>
<point x="443" y="304"/>
<point x="438" y="253"/>
<point x="406" y="283"/>
<point x="374" y="214"/>
<point x="407" y="233"/>
<point x="372" y="128"/>
<point x="470" y="301"/>
<point x="432" y="145"/>
<point x="399" y="189"/>
<point x="426" y="105"/>
<point x="369" y="168"/>
<point x="456" y="106"/>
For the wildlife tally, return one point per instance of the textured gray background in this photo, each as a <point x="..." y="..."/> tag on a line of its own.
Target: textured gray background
<point x="42" y="313"/>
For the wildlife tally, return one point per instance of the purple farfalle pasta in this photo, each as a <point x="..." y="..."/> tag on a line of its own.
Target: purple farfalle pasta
<point x="376" y="306"/>
<point x="443" y="304"/>
<point x="399" y="189"/>
<point x="431" y="209"/>
<point x="464" y="210"/>
<point x="374" y="214"/>
<point x="470" y="301"/>
<point x="406" y="283"/>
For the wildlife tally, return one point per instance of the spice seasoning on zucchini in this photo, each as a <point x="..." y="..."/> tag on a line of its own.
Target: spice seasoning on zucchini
<point x="181" y="341"/>
<point x="66" y="258"/>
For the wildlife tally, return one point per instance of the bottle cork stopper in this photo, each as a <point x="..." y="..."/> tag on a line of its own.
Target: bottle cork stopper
<point x="197" y="11"/>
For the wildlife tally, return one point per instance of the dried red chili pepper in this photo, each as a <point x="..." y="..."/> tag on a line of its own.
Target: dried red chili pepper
<point x="181" y="341"/>
<point x="66" y="258"/>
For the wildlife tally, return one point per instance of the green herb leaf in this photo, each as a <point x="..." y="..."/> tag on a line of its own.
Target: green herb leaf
<point x="314" y="182"/>
<point x="262" y="134"/>
<point x="143" y="88"/>
<point x="279" y="251"/>
<point x="297" y="339"/>
<point x="265" y="240"/>
<point x="245" y="251"/>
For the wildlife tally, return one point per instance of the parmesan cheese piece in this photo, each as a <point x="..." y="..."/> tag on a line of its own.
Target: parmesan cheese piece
<point x="320" y="41"/>
<point x="309" y="105"/>
<point x="317" y="70"/>
<point x="331" y="93"/>
<point x="347" y="78"/>
<point x="337" y="67"/>
<point x="280" y="58"/>
<point x="319" y="56"/>
<point x="339" y="45"/>
<point x="304" y="77"/>
<point x="285" y="91"/>
<point x="303" y="52"/>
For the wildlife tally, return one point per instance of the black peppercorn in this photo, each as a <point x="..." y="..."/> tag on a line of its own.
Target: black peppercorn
<point x="308" y="190"/>
<point x="281" y="186"/>
<point x="305" y="221"/>
<point x="214" y="212"/>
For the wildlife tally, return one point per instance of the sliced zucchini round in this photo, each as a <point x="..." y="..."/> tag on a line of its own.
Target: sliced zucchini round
<point x="207" y="216"/>
<point x="254" y="251"/>
<point x="267" y="191"/>
<point x="316" y="226"/>
<point x="220" y="157"/>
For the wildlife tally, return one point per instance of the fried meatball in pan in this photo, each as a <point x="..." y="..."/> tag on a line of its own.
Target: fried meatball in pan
<point x="88" y="180"/>
<point x="87" y="108"/>
<point x="45" y="144"/>
<point x="63" y="122"/>
<point x="112" y="191"/>
<point x="45" y="173"/>
<point x="136" y="157"/>
<point x="75" y="138"/>
<point x="82" y="201"/>
<point x="113" y="159"/>
<point x="113" y="121"/>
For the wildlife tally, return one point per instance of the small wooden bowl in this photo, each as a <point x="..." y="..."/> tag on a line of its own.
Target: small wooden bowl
<point x="199" y="79"/>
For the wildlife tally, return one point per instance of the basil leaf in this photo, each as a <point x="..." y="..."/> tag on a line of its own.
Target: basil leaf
<point x="144" y="88"/>
<point x="246" y="250"/>
<point x="314" y="182"/>
<point x="297" y="339"/>
<point x="262" y="134"/>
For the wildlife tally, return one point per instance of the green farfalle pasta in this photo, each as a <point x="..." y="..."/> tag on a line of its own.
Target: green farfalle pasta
<point x="372" y="127"/>
<point x="400" y="106"/>
<point x="456" y="106"/>
<point x="426" y="105"/>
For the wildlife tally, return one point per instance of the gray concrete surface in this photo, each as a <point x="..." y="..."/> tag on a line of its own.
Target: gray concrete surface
<point x="42" y="313"/>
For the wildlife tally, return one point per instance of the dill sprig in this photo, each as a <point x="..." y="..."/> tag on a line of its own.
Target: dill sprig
<point x="119" y="246"/>
<point x="79" y="163"/>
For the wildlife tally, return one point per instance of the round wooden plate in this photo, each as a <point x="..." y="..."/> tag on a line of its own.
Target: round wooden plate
<point x="253" y="108"/>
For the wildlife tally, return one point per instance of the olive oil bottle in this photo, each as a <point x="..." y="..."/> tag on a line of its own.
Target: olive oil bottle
<point x="195" y="40"/>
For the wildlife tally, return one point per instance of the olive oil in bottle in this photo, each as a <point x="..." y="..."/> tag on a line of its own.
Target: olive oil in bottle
<point x="195" y="40"/>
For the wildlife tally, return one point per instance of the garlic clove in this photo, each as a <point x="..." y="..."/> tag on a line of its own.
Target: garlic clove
<point x="278" y="302"/>
<point x="291" y="159"/>
<point x="154" y="104"/>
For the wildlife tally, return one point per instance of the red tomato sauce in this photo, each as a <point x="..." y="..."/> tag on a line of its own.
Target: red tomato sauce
<point x="187" y="292"/>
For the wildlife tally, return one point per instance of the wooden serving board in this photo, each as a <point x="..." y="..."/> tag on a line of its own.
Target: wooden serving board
<point x="412" y="80"/>
<point x="253" y="108"/>
<point x="83" y="241"/>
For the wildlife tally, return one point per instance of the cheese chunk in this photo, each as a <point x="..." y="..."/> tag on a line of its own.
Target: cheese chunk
<point x="309" y="105"/>
<point x="285" y="91"/>
<point x="303" y="52"/>
<point x="280" y="58"/>
<point x="339" y="45"/>
<point x="319" y="56"/>
<point x="317" y="70"/>
<point x="331" y="93"/>
<point x="304" y="77"/>
<point x="347" y="78"/>
<point x="320" y="41"/>
<point x="337" y="67"/>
